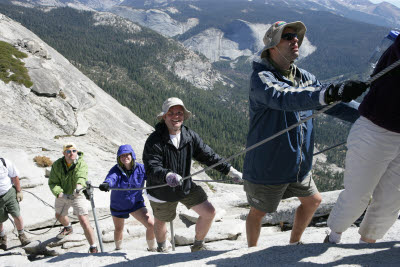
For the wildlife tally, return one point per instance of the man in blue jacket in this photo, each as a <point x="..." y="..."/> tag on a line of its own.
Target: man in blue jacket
<point x="281" y="94"/>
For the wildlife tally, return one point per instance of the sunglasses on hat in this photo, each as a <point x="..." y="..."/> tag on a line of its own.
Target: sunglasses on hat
<point x="289" y="36"/>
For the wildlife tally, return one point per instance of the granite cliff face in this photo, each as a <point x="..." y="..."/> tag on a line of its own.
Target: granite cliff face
<point x="240" y="38"/>
<point x="155" y="19"/>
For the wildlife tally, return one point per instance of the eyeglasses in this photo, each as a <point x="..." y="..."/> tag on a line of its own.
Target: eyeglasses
<point x="289" y="36"/>
<point x="70" y="151"/>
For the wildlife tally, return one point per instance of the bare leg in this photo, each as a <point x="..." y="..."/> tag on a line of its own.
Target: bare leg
<point x="87" y="228"/>
<point x="160" y="230"/>
<point x="253" y="226"/>
<point x="143" y="216"/>
<point x="62" y="219"/>
<point x="303" y="216"/>
<point x="207" y="213"/>
<point x="118" y="228"/>
<point x="19" y="223"/>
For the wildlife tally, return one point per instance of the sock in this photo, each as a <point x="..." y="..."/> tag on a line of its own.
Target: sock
<point x="2" y="233"/>
<point x="362" y="242"/>
<point x="295" y="243"/>
<point x="161" y="244"/>
<point x="69" y="226"/>
<point x="151" y="244"/>
<point x="198" y="243"/>
<point x="20" y="232"/>
<point x="118" y="244"/>
<point x="93" y="246"/>
<point x="334" y="237"/>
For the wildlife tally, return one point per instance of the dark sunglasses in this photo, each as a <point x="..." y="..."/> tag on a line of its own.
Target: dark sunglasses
<point x="289" y="36"/>
<point x="70" y="151"/>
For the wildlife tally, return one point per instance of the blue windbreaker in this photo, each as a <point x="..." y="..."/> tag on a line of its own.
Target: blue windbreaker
<point x="123" y="201"/>
<point x="275" y="104"/>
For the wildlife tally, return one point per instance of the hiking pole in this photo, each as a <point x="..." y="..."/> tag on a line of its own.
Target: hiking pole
<point x="89" y="190"/>
<point x="171" y="223"/>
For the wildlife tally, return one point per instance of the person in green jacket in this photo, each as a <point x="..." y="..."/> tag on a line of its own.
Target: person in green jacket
<point x="67" y="178"/>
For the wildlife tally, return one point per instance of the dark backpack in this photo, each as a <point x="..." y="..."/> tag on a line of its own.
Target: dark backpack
<point x="4" y="162"/>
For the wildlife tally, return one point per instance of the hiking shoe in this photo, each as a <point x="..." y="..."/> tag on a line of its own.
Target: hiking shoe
<point x="64" y="232"/>
<point x="152" y="249"/>
<point x="162" y="249"/>
<point x="3" y="242"/>
<point x="198" y="248"/>
<point x="24" y="239"/>
<point x="93" y="250"/>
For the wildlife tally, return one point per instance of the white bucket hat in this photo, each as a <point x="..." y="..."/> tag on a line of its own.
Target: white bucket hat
<point x="170" y="102"/>
<point x="273" y="35"/>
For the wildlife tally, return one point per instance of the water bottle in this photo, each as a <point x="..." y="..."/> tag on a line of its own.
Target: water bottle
<point x="385" y="43"/>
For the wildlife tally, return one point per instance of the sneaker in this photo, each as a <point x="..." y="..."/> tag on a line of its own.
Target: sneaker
<point x="198" y="248"/>
<point x="64" y="232"/>
<point x="152" y="249"/>
<point x="3" y="242"/>
<point x="24" y="239"/>
<point x="162" y="249"/>
<point x="93" y="250"/>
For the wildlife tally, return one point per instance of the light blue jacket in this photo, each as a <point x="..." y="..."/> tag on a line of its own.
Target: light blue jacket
<point x="275" y="104"/>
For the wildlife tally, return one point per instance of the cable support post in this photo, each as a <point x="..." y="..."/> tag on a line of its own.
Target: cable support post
<point x="89" y="190"/>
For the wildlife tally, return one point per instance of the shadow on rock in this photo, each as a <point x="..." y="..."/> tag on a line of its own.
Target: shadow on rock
<point x="72" y="255"/>
<point x="308" y="254"/>
<point x="158" y="259"/>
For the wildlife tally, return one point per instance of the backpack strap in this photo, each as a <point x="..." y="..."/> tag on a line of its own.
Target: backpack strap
<point x="4" y="162"/>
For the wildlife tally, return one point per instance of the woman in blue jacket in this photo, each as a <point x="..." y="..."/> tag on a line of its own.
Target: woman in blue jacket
<point x="128" y="174"/>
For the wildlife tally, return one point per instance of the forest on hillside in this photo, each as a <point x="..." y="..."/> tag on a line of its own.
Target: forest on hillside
<point x="133" y="74"/>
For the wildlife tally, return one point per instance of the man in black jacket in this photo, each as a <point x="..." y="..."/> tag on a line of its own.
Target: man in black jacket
<point x="167" y="157"/>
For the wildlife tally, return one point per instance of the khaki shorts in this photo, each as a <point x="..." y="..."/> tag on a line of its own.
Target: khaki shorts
<point x="9" y="205"/>
<point x="266" y="198"/>
<point x="78" y="204"/>
<point x="166" y="211"/>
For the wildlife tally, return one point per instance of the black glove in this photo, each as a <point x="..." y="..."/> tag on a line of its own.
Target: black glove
<point x="84" y="191"/>
<point x="104" y="187"/>
<point x="346" y="91"/>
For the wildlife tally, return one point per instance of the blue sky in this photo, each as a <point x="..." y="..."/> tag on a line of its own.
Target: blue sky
<point x="394" y="2"/>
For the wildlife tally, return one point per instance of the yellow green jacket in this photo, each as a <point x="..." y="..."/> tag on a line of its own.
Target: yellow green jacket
<point x="64" y="179"/>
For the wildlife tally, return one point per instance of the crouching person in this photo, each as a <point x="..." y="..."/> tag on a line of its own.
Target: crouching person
<point x="67" y="178"/>
<point x="9" y="197"/>
<point x="128" y="174"/>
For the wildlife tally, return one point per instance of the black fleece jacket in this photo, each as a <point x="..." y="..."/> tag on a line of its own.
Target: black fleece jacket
<point x="160" y="157"/>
